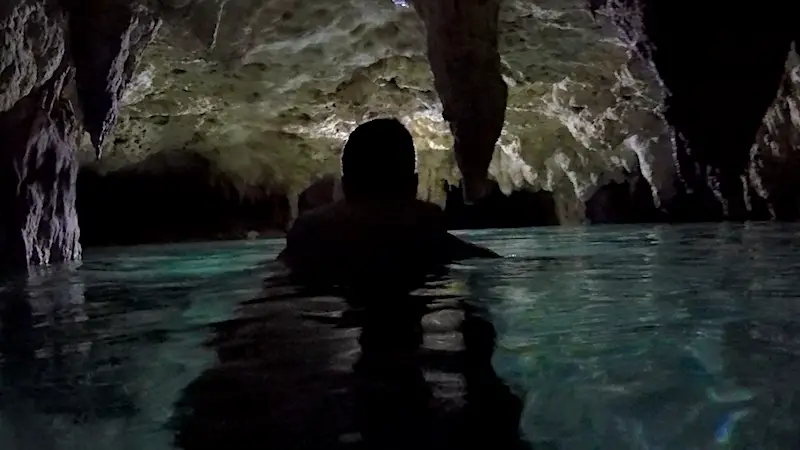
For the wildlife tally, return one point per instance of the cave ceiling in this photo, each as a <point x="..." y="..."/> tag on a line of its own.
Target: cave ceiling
<point x="269" y="90"/>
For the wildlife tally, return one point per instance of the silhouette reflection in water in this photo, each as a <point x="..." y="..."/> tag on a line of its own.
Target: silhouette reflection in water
<point x="301" y="370"/>
<point x="378" y="365"/>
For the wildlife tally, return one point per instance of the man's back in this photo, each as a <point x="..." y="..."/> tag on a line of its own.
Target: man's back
<point x="380" y="235"/>
<point x="347" y="239"/>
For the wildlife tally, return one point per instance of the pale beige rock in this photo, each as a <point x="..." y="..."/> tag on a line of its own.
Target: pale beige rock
<point x="271" y="98"/>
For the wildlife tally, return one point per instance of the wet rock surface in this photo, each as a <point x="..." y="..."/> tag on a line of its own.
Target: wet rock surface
<point x="271" y="93"/>
<point x="720" y="76"/>
<point x="38" y="221"/>
<point x="63" y="66"/>
<point x="774" y="185"/>
<point x="462" y="41"/>
<point x="268" y="91"/>
<point x="628" y="201"/>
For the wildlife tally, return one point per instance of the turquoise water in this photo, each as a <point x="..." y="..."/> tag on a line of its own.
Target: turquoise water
<point x="655" y="337"/>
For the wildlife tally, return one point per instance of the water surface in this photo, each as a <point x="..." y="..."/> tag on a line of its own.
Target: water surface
<point x="647" y="337"/>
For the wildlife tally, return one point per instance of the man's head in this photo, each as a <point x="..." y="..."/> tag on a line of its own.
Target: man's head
<point x="379" y="162"/>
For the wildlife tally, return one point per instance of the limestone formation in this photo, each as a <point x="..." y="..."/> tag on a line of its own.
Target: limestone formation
<point x="105" y="42"/>
<point x="51" y="53"/>
<point x="272" y="91"/>
<point x="775" y="155"/>
<point x="720" y="76"/>
<point x="462" y="41"/>
<point x="267" y="91"/>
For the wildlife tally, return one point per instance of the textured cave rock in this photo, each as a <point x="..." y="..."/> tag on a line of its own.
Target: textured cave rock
<point x="50" y="53"/>
<point x="775" y="156"/>
<point x="173" y="197"/>
<point x="721" y="73"/>
<point x="38" y="224"/>
<point x="37" y="170"/>
<point x="462" y="39"/>
<point x="268" y="91"/>
<point x="106" y="38"/>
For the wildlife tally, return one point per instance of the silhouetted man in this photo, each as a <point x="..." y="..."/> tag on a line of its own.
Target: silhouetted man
<point x="380" y="232"/>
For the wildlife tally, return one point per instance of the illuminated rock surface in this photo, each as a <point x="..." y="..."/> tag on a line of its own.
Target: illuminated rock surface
<point x="615" y="117"/>
<point x="271" y="94"/>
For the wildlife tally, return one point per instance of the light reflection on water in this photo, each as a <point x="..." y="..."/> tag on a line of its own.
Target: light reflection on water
<point x="606" y="338"/>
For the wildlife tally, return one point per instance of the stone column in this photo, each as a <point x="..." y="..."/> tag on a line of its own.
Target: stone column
<point x="40" y="126"/>
<point x="38" y="222"/>
<point x="463" y="53"/>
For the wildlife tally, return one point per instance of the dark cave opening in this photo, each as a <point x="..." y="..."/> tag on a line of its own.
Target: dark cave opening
<point x="523" y="208"/>
<point x="722" y="71"/>
<point x="628" y="201"/>
<point x="170" y="198"/>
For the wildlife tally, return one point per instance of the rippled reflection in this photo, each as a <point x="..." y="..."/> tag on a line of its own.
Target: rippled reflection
<point x="299" y="371"/>
<point x="598" y="338"/>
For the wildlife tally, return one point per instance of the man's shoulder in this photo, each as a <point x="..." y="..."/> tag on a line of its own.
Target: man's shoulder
<point x="311" y="233"/>
<point x="428" y="207"/>
<point x="319" y="215"/>
<point x="343" y="218"/>
<point x="323" y="211"/>
<point x="428" y="213"/>
<point x="340" y="209"/>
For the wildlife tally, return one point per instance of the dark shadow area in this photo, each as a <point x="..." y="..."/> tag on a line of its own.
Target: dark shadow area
<point x="171" y="198"/>
<point x="630" y="201"/>
<point x="521" y="209"/>
<point x="309" y="371"/>
<point x="320" y="193"/>
<point x="715" y="53"/>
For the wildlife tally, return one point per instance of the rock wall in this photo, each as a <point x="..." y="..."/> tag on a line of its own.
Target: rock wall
<point x="462" y="47"/>
<point x="775" y="156"/>
<point x="267" y="91"/>
<point x="720" y="73"/>
<point x="270" y="95"/>
<point x="63" y="65"/>
<point x="38" y="222"/>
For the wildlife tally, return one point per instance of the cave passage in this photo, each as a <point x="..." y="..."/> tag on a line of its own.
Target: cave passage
<point x="182" y="201"/>
<point x="628" y="201"/>
<point x="523" y="208"/>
